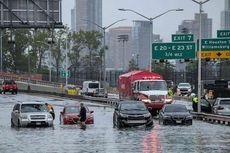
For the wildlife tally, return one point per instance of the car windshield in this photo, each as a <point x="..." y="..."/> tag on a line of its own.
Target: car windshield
<point x="72" y="109"/>
<point x="133" y="106"/>
<point x="175" y="108"/>
<point x="93" y="85"/>
<point x="9" y="82"/>
<point x="225" y="102"/>
<point x="184" y="85"/>
<point x="153" y="85"/>
<point x="25" y="108"/>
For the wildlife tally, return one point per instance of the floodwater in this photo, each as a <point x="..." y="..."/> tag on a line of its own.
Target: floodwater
<point x="103" y="138"/>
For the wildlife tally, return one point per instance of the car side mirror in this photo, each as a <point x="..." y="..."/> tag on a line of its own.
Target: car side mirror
<point x="116" y="109"/>
<point x="91" y="112"/>
<point x="61" y="113"/>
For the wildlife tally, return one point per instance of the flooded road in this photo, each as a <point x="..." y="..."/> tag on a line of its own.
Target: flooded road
<point x="103" y="138"/>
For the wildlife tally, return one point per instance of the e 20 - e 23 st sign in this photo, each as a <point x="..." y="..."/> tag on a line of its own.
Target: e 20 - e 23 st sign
<point x="185" y="50"/>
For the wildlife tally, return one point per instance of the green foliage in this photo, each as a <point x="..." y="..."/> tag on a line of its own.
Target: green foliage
<point x="165" y="69"/>
<point x="133" y="65"/>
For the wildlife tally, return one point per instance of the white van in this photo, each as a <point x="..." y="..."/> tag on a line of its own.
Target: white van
<point x="90" y="88"/>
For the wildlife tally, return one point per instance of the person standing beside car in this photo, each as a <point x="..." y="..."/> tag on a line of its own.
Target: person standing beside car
<point x="82" y="115"/>
<point x="194" y="103"/>
<point x="50" y="110"/>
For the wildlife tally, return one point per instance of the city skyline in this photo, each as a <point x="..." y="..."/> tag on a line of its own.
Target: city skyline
<point x="161" y="26"/>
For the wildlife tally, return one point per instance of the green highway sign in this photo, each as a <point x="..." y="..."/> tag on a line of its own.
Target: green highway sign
<point x="63" y="74"/>
<point x="178" y="50"/>
<point x="182" y="37"/>
<point x="223" y="33"/>
<point x="215" y="44"/>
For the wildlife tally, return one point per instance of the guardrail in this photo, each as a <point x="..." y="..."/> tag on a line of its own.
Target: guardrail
<point x="212" y="118"/>
<point x="26" y="80"/>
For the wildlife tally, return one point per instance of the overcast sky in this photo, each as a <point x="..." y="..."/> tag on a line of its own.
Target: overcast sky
<point x="164" y="25"/>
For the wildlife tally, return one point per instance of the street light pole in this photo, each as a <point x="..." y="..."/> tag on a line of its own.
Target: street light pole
<point x="1" y="49"/>
<point x="66" y="62"/>
<point x="199" y="56"/>
<point x="104" y="28"/>
<point x="151" y="28"/>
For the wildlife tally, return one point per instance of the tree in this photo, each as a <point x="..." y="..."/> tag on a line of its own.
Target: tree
<point x="133" y="65"/>
<point x="166" y="69"/>
<point x="39" y="46"/>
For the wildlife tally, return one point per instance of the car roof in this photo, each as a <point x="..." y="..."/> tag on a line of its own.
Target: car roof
<point x="72" y="105"/>
<point x="129" y="101"/>
<point x="175" y="105"/>
<point x="29" y="102"/>
<point x="220" y="98"/>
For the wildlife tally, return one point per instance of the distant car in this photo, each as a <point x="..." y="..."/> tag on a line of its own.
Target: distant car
<point x="184" y="89"/>
<point x="131" y="113"/>
<point x="9" y="86"/>
<point x="31" y="114"/>
<point x="71" y="115"/>
<point x="70" y="89"/>
<point x="221" y="106"/>
<point x="175" y="114"/>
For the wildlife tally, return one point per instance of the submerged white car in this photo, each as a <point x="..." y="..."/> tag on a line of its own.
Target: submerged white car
<point x="31" y="114"/>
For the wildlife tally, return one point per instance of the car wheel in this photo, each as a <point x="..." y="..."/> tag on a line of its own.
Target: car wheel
<point x="60" y="119"/>
<point x="4" y="92"/>
<point x="11" y="121"/>
<point x="12" y="92"/>
<point x="119" y="125"/>
<point x="16" y="92"/>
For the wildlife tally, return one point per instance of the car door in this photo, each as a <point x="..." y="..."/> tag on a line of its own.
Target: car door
<point x="214" y="107"/>
<point x="15" y="114"/>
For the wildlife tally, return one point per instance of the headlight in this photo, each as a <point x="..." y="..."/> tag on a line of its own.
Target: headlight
<point x="189" y="117"/>
<point x="189" y="90"/>
<point x="50" y="116"/>
<point x="24" y="116"/>
<point x="147" y="115"/>
<point x="166" y="116"/>
<point x="146" y="100"/>
<point x="123" y="115"/>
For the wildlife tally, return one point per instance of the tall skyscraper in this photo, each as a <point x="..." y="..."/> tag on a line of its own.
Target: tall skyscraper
<point x="225" y="16"/>
<point x="192" y="26"/>
<point x="120" y="52"/>
<point x="90" y="10"/>
<point x="141" y="42"/>
<point x="73" y="19"/>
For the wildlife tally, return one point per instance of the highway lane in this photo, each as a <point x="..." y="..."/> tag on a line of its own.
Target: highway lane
<point x="102" y="137"/>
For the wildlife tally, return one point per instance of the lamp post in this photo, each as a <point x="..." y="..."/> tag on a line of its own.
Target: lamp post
<point x="151" y="28"/>
<point x="104" y="28"/>
<point x="66" y="62"/>
<point x="199" y="55"/>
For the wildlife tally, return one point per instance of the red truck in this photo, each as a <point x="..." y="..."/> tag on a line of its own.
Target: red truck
<point x="9" y="86"/>
<point x="144" y="86"/>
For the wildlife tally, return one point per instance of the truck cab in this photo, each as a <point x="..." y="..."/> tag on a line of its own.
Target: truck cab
<point x="153" y="93"/>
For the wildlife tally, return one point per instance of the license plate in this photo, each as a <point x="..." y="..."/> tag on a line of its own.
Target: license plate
<point x="178" y="121"/>
<point x="38" y="123"/>
<point x="136" y="121"/>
